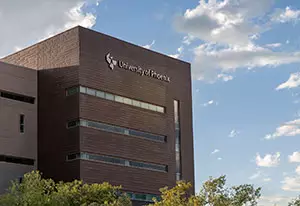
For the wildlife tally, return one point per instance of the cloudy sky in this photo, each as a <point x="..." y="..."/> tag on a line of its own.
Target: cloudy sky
<point x="245" y="58"/>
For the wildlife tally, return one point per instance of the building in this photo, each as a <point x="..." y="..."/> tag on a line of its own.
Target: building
<point x="107" y="110"/>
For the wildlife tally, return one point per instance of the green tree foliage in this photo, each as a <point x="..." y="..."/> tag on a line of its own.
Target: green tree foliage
<point x="212" y="193"/>
<point x="295" y="202"/>
<point x="36" y="191"/>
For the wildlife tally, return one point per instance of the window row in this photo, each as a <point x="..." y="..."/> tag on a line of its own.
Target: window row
<point x="17" y="97"/>
<point x="117" y="161"/>
<point x="16" y="160"/>
<point x="142" y="197"/>
<point x="116" y="98"/>
<point x="116" y="129"/>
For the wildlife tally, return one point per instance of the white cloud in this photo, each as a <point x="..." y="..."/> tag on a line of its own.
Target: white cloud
<point x="291" y="128"/>
<point x="211" y="59"/>
<point x="274" y="45"/>
<point x="255" y="175"/>
<point x="225" y="77"/>
<point x="175" y="56"/>
<point x="261" y="176"/>
<point x="268" y="160"/>
<point x="149" y="46"/>
<point x="26" y="22"/>
<point x="233" y="133"/>
<point x="178" y="54"/>
<point x="228" y="29"/>
<point x="296" y="101"/>
<point x="268" y="179"/>
<point x="292" y="183"/>
<point x="188" y="39"/>
<point x="286" y="15"/>
<point x="215" y="151"/>
<point x="298" y="170"/>
<point x="226" y="22"/>
<point x="210" y="102"/>
<point x="292" y="82"/>
<point x="295" y="157"/>
<point x="273" y="200"/>
<point x="219" y="158"/>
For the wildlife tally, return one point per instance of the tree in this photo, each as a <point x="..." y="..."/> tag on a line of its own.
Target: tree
<point x="295" y="202"/>
<point x="36" y="191"/>
<point x="212" y="193"/>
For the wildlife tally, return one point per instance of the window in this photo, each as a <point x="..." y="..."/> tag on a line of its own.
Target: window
<point x="116" y="98"/>
<point x="152" y="107"/>
<point x="127" y="101"/>
<point x="91" y="92"/>
<point x="72" y="91"/>
<point x="117" y="161"/>
<point x="16" y="160"/>
<point x="116" y="129"/>
<point x="160" y="109"/>
<point x="143" y="197"/>
<point x="100" y="94"/>
<point x="82" y="89"/>
<point x="119" y="99"/>
<point x="72" y="124"/>
<point x="17" y="97"/>
<point x="136" y="103"/>
<point x="145" y="105"/>
<point x="177" y="139"/>
<point x="109" y="96"/>
<point x="22" y="123"/>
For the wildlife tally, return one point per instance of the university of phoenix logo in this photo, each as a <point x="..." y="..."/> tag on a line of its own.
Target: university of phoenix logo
<point x="111" y="62"/>
<point x="137" y="69"/>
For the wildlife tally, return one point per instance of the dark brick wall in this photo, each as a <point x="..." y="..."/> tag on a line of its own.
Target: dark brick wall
<point x="95" y="73"/>
<point x="61" y="50"/>
<point x="55" y="109"/>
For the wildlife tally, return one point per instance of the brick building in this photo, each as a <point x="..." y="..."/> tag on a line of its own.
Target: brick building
<point x="84" y="105"/>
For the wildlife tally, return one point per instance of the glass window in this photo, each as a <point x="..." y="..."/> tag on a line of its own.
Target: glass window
<point x="140" y="196"/>
<point x="178" y="176"/>
<point x="83" y="123"/>
<point x="127" y="163"/>
<point x="152" y="107"/>
<point x="145" y="105"/>
<point x="72" y="91"/>
<point x="160" y="109"/>
<point x="112" y="97"/>
<point x="109" y="96"/>
<point x="119" y="99"/>
<point x="136" y="103"/>
<point x="72" y="124"/>
<point x="115" y="160"/>
<point x="177" y="147"/>
<point x="72" y="157"/>
<point x="16" y="160"/>
<point x="126" y="131"/>
<point x="91" y="91"/>
<point x="116" y="129"/>
<point x="177" y="139"/>
<point x="100" y="94"/>
<point x="82" y="89"/>
<point x="17" y="97"/>
<point x="22" y="123"/>
<point x="127" y="101"/>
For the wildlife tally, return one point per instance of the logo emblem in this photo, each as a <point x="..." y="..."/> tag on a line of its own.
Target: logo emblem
<point x="111" y="62"/>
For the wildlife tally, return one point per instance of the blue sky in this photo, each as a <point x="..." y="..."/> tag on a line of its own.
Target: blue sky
<point x="245" y="63"/>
